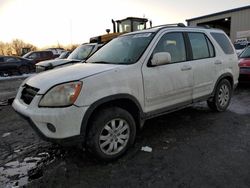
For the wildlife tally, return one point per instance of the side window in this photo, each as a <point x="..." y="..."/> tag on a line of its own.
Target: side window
<point x="48" y="54"/>
<point x="44" y="54"/>
<point x="34" y="56"/>
<point x="223" y="42"/>
<point x="199" y="45"/>
<point x="211" y="48"/>
<point x="10" y="59"/>
<point x="172" y="43"/>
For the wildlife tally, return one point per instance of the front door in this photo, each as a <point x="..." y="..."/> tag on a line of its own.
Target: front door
<point x="170" y="85"/>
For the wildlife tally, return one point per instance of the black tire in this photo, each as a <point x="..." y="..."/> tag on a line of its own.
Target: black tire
<point x="222" y="96"/>
<point x="5" y="74"/>
<point x="101" y="136"/>
<point x="23" y="69"/>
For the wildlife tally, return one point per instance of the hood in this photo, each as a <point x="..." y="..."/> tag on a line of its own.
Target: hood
<point x="56" y="62"/>
<point x="46" y="80"/>
<point x="244" y="62"/>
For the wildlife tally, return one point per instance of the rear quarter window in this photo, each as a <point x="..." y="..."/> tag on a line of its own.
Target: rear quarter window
<point x="223" y="42"/>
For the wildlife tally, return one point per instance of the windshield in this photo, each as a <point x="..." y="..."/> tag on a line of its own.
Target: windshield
<point x="64" y="55"/>
<point x="26" y="55"/>
<point x="137" y="26"/>
<point x="122" y="50"/>
<point x="245" y="53"/>
<point x="81" y="52"/>
<point x="125" y="26"/>
<point x="239" y="46"/>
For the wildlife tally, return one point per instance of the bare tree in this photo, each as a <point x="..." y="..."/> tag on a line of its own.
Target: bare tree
<point x="17" y="45"/>
<point x="2" y="46"/>
<point x="8" y="49"/>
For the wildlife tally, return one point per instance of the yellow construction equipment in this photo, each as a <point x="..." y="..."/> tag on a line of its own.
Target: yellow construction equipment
<point x="126" y="25"/>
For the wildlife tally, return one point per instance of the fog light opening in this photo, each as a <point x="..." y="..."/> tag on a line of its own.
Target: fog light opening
<point x="51" y="127"/>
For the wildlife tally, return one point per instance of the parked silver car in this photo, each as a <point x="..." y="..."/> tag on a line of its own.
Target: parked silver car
<point x="81" y="53"/>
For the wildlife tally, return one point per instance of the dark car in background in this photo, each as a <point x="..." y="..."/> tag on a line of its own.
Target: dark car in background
<point x="81" y="53"/>
<point x="38" y="56"/>
<point x="10" y="65"/>
<point x="244" y="64"/>
<point x="240" y="46"/>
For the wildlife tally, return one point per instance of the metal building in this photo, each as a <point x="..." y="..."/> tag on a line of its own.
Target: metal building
<point x="235" y="22"/>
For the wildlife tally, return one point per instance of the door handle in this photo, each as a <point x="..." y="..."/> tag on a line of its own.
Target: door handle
<point x="186" y="68"/>
<point x="218" y="62"/>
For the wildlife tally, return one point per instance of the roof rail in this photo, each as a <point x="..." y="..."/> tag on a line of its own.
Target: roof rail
<point x="170" y="25"/>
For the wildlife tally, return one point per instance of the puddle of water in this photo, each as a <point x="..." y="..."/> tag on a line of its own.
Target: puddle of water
<point x="16" y="173"/>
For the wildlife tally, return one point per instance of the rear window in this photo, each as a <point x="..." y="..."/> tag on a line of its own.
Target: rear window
<point x="224" y="43"/>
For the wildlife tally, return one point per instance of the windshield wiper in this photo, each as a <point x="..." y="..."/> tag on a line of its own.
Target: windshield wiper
<point x="101" y="62"/>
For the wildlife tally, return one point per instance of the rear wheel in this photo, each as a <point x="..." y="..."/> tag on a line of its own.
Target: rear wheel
<point x="23" y="70"/>
<point x="112" y="131"/>
<point x="222" y="97"/>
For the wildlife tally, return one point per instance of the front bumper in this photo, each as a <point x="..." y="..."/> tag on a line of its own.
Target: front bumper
<point x="74" y="140"/>
<point x="67" y="121"/>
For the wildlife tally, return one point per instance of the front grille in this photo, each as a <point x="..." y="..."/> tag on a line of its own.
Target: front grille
<point x="28" y="93"/>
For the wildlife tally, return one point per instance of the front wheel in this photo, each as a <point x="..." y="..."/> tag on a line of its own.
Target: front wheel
<point x="112" y="131"/>
<point x="222" y="97"/>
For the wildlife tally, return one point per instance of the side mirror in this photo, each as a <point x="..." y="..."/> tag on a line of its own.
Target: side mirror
<point x="161" y="58"/>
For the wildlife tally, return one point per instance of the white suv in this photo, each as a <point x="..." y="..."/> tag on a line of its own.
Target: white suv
<point x="136" y="76"/>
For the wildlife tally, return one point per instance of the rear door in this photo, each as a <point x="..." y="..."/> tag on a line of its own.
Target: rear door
<point x="227" y="59"/>
<point x="203" y="58"/>
<point x="168" y="86"/>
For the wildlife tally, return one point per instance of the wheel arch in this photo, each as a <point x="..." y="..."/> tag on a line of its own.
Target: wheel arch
<point x="125" y="101"/>
<point x="227" y="76"/>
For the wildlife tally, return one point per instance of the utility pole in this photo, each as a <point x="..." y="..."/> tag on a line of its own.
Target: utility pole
<point x="70" y="25"/>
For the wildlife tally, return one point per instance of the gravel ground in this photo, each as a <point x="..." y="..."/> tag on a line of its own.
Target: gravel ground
<point x="194" y="147"/>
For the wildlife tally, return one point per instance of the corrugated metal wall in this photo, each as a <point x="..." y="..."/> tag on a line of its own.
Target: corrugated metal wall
<point x="240" y="21"/>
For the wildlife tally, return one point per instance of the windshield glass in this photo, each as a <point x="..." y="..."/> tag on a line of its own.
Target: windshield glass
<point x="125" y="26"/>
<point x="239" y="46"/>
<point x="122" y="50"/>
<point x="26" y="55"/>
<point x="245" y="53"/>
<point x="81" y="52"/>
<point x="64" y="55"/>
<point x="137" y="26"/>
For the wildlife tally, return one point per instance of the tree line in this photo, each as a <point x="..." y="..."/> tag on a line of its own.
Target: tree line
<point x="15" y="47"/>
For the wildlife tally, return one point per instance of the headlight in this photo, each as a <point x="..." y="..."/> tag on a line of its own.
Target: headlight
<point x="61" y="95"/>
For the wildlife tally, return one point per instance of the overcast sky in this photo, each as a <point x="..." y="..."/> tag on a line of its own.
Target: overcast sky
<point x="47" y="22"/>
